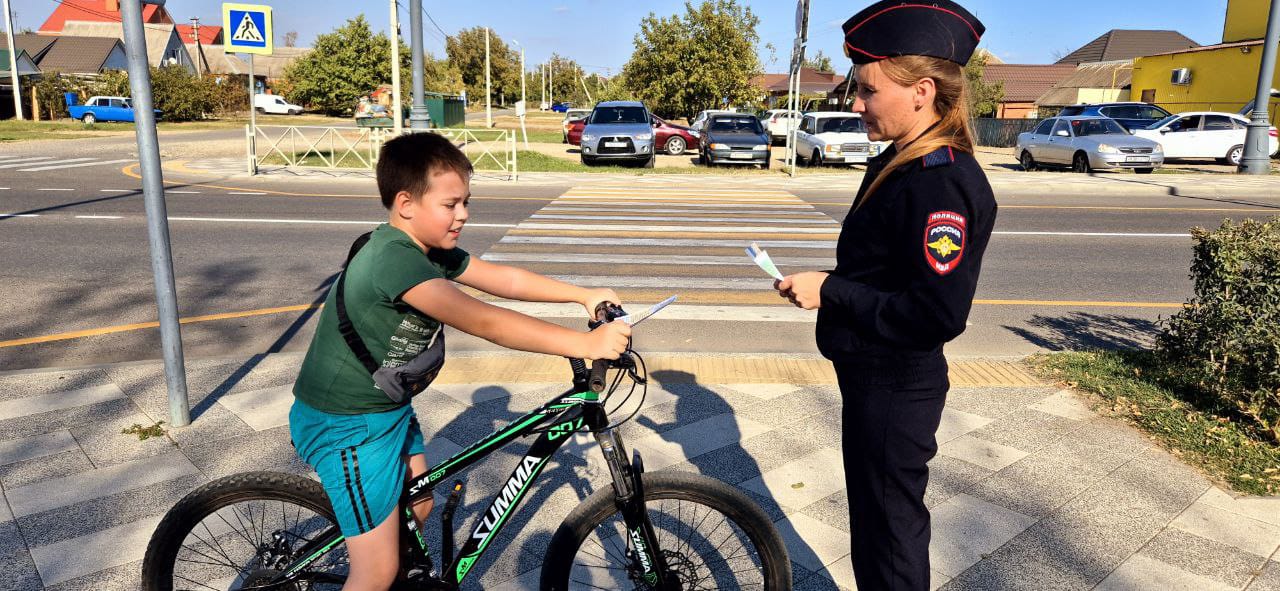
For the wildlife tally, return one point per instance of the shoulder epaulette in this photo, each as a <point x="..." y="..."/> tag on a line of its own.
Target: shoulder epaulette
<point x="943" y="156"/>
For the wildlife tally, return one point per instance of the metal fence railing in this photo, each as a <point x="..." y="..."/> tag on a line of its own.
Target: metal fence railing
<point x="356" y="148"/>
<point x="1001" y="133"/>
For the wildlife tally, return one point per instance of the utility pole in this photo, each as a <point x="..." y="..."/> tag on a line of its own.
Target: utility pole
<point x="488" y="87"/>
<point x="542" y="84"/>
<point x="398" y="123"/>
<point x="418" y="117"/>
<point x="175" y="373"/>
<point x="13" y="64"/>
<point x="1257" y="159"/>
<point x="195" y="32"/>
<point x="551" y="89"/>
<point x="523" y="106"/>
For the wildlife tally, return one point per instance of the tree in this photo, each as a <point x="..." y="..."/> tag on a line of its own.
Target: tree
<point x="565" y="84"/>
<point x="819" y="62"/>
<point x="700" y="60"/>
<point x="345" y="65"/>
<point x="466" y="53"/>
<point x="984" y="98"/>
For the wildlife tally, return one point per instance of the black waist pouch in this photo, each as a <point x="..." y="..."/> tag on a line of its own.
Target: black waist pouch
<point x="404" y="381"/>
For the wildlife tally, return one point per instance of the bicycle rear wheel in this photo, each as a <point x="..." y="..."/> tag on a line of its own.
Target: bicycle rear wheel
<point x="237" y="532"/>
<point x="712" y="536"/>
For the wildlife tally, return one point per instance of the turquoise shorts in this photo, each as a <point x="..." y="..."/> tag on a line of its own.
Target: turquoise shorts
<point x="360" y="459"/>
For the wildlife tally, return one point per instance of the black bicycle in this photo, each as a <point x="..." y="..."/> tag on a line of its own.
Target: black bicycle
<point x="659" y="531"/>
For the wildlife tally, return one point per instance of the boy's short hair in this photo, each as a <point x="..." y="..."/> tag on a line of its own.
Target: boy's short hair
<point x="407" y="162"/>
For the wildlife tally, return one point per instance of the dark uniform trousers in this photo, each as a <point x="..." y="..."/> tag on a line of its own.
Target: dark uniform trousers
<point x="889" y="426"/>
<point x="907" y="265"/>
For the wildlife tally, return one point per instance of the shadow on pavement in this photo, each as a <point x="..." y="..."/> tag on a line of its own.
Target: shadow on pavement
<point x="1084" y="330"/>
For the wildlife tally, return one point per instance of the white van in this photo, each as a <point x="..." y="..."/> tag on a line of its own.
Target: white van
<point x="274" y="103"/>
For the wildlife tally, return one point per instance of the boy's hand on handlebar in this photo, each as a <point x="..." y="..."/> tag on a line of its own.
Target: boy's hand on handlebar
<point x="607" y="341"/>
<point x="594" y="297"/>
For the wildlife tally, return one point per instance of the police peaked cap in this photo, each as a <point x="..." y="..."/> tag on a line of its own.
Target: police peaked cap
<point x="892" y="28"/>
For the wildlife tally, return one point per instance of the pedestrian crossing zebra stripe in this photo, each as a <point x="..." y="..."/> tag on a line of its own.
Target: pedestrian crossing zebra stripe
<point x="82" y="164"/>
<point x="12" y="159"/>
<point x="672" y="218"/>
<point x="674" y="229"/>
<point x="22" y="164"/>
<point x="647" y="259"/>
<point x="612" y="241"/>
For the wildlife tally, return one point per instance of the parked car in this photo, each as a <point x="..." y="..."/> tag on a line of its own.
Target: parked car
<point x="831" y="137"/>
<point x="101" y="108"/>
<point x="701" y="118"/>
<point x="1086" y="143"/>
<point x="618" y="130"/>
<point x="561" y="107"/>
<point x="1129" y="115"/>
<point x="274" y="103"/>
<point x="673" y="139"/>
<point x="574" y="135"/>
<point x="780" y="122"/>
<point x="734" y="138"/>
<point x="1203" y="134"/>
<point x="569" y="117"/>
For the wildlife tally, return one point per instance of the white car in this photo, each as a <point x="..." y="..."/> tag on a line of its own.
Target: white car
<point x="780" y="122"/>
<point x="701" y="117"/>
<point x="1203" y="134"/>
<point x="274" y="103"/>
<point x="834" y="137"/>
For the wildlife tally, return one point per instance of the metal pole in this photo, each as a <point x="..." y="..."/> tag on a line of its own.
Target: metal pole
<point x="13" y="64"/>
<point x="253" y="119"/>
<point x="523" y="131"/>
<point x="397" y="124"/>
<point x="418" y="117"/>
<point x="135" y="44"/>
<point x="551" y="81"/>
<point x="488" y="87"/>
<point x="1257" y="155"/>
<point x="195" y="32"/>
<point x="542" y="85"/>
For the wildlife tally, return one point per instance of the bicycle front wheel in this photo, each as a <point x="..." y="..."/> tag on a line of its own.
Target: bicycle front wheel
<point x="711" y="535"/>
<point x="238" y="532"/>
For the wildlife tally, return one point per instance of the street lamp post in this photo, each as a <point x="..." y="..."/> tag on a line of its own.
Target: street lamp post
<point x="1257" y="143"/>
<point x="13" y="65"/>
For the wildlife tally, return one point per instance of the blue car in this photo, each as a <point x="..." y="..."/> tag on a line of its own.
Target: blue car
<point x="102" y="108"/>
<point x="561" y="107"/>
<point x="1130" y="116"/>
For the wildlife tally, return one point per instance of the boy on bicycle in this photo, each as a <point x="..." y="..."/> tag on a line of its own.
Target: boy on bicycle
<point x="380" y="340"/>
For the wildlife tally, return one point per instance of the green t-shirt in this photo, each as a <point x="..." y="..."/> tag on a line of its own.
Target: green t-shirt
<point x="332" y="379"/>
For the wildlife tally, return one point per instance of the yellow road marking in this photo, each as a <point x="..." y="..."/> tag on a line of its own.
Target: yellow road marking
<point x="701" y="296"/>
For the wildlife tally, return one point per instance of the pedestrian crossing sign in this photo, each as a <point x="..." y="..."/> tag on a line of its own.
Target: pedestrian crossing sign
<point x="247" y="27"/>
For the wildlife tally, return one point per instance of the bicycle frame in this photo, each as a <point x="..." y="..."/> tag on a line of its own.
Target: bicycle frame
<point x="555" y="422"/>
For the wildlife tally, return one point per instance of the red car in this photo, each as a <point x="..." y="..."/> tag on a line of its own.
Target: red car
<point x="673" y="139"/>
<point x="575" y="131"/>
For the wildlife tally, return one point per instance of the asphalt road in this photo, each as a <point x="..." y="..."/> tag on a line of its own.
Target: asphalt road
<point x="1062" y="272"/>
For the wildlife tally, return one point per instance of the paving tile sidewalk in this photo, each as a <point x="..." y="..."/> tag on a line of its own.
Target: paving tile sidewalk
<point x="1030" y="489"/>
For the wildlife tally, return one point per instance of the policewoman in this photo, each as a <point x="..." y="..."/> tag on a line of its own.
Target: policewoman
<point x="907" y="266"/>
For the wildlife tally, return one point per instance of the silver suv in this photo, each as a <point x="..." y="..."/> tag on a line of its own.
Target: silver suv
<point x="618" y="130"/>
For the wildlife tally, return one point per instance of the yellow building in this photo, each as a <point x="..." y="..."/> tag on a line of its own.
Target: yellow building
<point x="1221" y="77"/>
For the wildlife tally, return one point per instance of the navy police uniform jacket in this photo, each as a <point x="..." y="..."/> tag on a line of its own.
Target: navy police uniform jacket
<point x="907" y="263"/>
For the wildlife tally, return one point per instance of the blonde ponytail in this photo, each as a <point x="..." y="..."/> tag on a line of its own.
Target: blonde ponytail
<point x="951" y="101"/>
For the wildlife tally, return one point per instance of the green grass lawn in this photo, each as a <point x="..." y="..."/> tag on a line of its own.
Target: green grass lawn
<point x="1135" y="387"/>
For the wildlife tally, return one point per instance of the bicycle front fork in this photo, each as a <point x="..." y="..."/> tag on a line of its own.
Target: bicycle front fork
<point x="648" y="562"/>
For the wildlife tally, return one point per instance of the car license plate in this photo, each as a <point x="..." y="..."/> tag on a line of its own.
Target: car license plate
<point x="740" y="155"/>
<point x="615" y="144"/>
<point x="1137" y="159"/>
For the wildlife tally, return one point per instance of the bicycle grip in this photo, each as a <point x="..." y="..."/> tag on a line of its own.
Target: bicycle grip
<point x="598" y="369"/>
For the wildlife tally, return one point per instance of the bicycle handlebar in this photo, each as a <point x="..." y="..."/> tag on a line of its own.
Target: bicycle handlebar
<point x="604" y="312"/>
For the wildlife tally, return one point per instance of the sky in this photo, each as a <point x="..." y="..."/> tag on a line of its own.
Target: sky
<point x="599" y="34"/>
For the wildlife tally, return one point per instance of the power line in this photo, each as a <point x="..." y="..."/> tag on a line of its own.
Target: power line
<point x="433" y="21"/>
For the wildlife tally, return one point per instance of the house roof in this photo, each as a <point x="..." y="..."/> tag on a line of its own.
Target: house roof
<point x="79" y="55"/>
<point x="1117" y="74"/>
<point x="34" y="45"/>
<point x="157" y="35"/>
<point x="273" y="66"/>
<point x="216" y="60"/>
<point x="26" y="66"/>
<point x="1249" y="43"/>
<point x="1024" y="83"/>
<point x="811" y="81"/>
<point x="1125" y="44"/>
<point x="96" y="10"/>
<point x="209" y="34"/>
